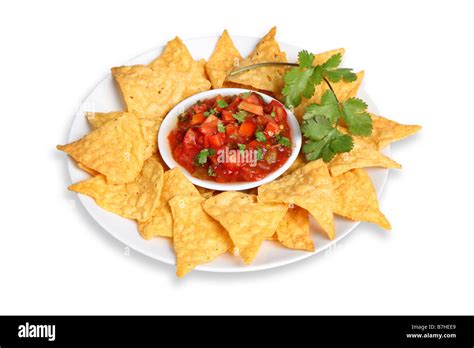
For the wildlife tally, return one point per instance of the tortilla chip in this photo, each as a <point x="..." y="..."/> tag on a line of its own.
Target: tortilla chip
<point x="98" y="119"/>
<point x="362" y="155"/>
<point x="116" y="150"/>
<point x="273" y="237"/>
<point x="293" y="230"/>
<point x="321" y="58"/>
<point x="177" y="57"/>
<point x="343" y="91"/>
<point x="385" y="132"/>
<point x="299" y="162"/>
<point x="247" y="221"/>
<point x="264" y="78"/>
<point x="89" y="171"/>
<point x="223" y="60"/>
<point x="151" y="94"/>
<point x="197" y="237"/>
<point x="204" y="192"/>
<point x="356" y="198"/>
<point x="161" y="222"/>
<point x="309" y="187"/>
<point x="135" y="200"/>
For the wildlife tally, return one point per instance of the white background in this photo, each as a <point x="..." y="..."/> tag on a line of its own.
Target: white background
<point x="418" y="57"/>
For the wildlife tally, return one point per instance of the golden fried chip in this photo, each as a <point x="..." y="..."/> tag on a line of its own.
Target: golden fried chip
<point x="362" y="155"/>
<point x="135" y="200"/>
<point x="151" y="94"/>
<point x="310" y="188"/>
<point x="176" y="57"/>
<point x="385" y="132"/>
<point x="356" y="198"/>
<point x="197" y="238"/>
<point x="223" y="60"/>
<point x="264" y="78"/>
<point x="293" y="230"/>
<point x="116" y="150"/>
<point x="299" y="162"/>
<point x="248" y="222"/>
<point x="321" y="58"/>
<point x="204" y="192"/>
<point x="273" y="237"/>
<point x="161" y="222"/>
<point x="343" y="91"/>
<point x="98" y="119"/>
<point x="87" y="169"/>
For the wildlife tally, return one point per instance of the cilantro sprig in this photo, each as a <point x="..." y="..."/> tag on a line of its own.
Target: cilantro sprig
<point x="302" y="80"/>
<point x="322" y="121"/>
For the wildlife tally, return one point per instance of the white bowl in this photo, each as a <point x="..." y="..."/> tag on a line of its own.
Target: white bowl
<point x="170" y="122"/>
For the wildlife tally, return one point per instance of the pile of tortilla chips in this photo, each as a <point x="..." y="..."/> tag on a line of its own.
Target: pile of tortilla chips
<point x="129" y="178"/>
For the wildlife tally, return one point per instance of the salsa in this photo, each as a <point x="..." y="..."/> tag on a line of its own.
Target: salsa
<point x="232" y="138"/>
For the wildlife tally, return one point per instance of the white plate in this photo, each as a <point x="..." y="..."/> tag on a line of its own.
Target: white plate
<point x="105" y="97"/>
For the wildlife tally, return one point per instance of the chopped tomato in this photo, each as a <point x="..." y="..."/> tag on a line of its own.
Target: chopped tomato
<point x="277" y="110"/>
<point x="216" y="140"/>
<point x="211" y="118"/>
<point x="209" y="128"/>
<point x="227" y="116"/>
<point x="200" y="108"/>
<point x="231" y="129"/>
<point x="197" y="119"/>
<point x="252" y="108"/>
<point x="253" y="99"/>
<point x="263" y="120"/>
<point x="272" y="129"/>
<point x="247" y="129"/>
<point x="280" y="113"/>
<point x="253" y="144"/>
<point x="234" y="105"/>
<point x="190" y="138"/>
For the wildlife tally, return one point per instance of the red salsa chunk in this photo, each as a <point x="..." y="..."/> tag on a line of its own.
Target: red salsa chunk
<point x="232" y="138"/>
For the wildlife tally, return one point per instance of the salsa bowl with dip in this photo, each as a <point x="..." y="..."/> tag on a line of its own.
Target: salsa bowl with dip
<point x="230" y="139"/>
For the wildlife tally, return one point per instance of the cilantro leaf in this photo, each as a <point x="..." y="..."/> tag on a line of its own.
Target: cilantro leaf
<point x="246" y="94"/>
<point x="356" y="117"/>
<point x="333" y="62"/>
<point x="241" y="148"/>
<point x="220" y="127"/>
<point x="260" y="137"/>
<point x="305" y="59"/>
<point x="342" y="143"/>
<point x="284" y="141"/>
<point x="328" y="108"/>
<point x="222" y="103"/>
<point x="335" y="74"/>
<point x="327" y="145"/>
<point x="201" y="157"/>
<point x="259" y="155"/>
<point x="300" y="82"/>
<point x="316" y="128"/>
<point x="210" y="171"/>
<point x="240" y="116"/>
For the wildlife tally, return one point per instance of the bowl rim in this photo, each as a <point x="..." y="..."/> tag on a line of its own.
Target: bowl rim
<point x="169" y="123"/>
